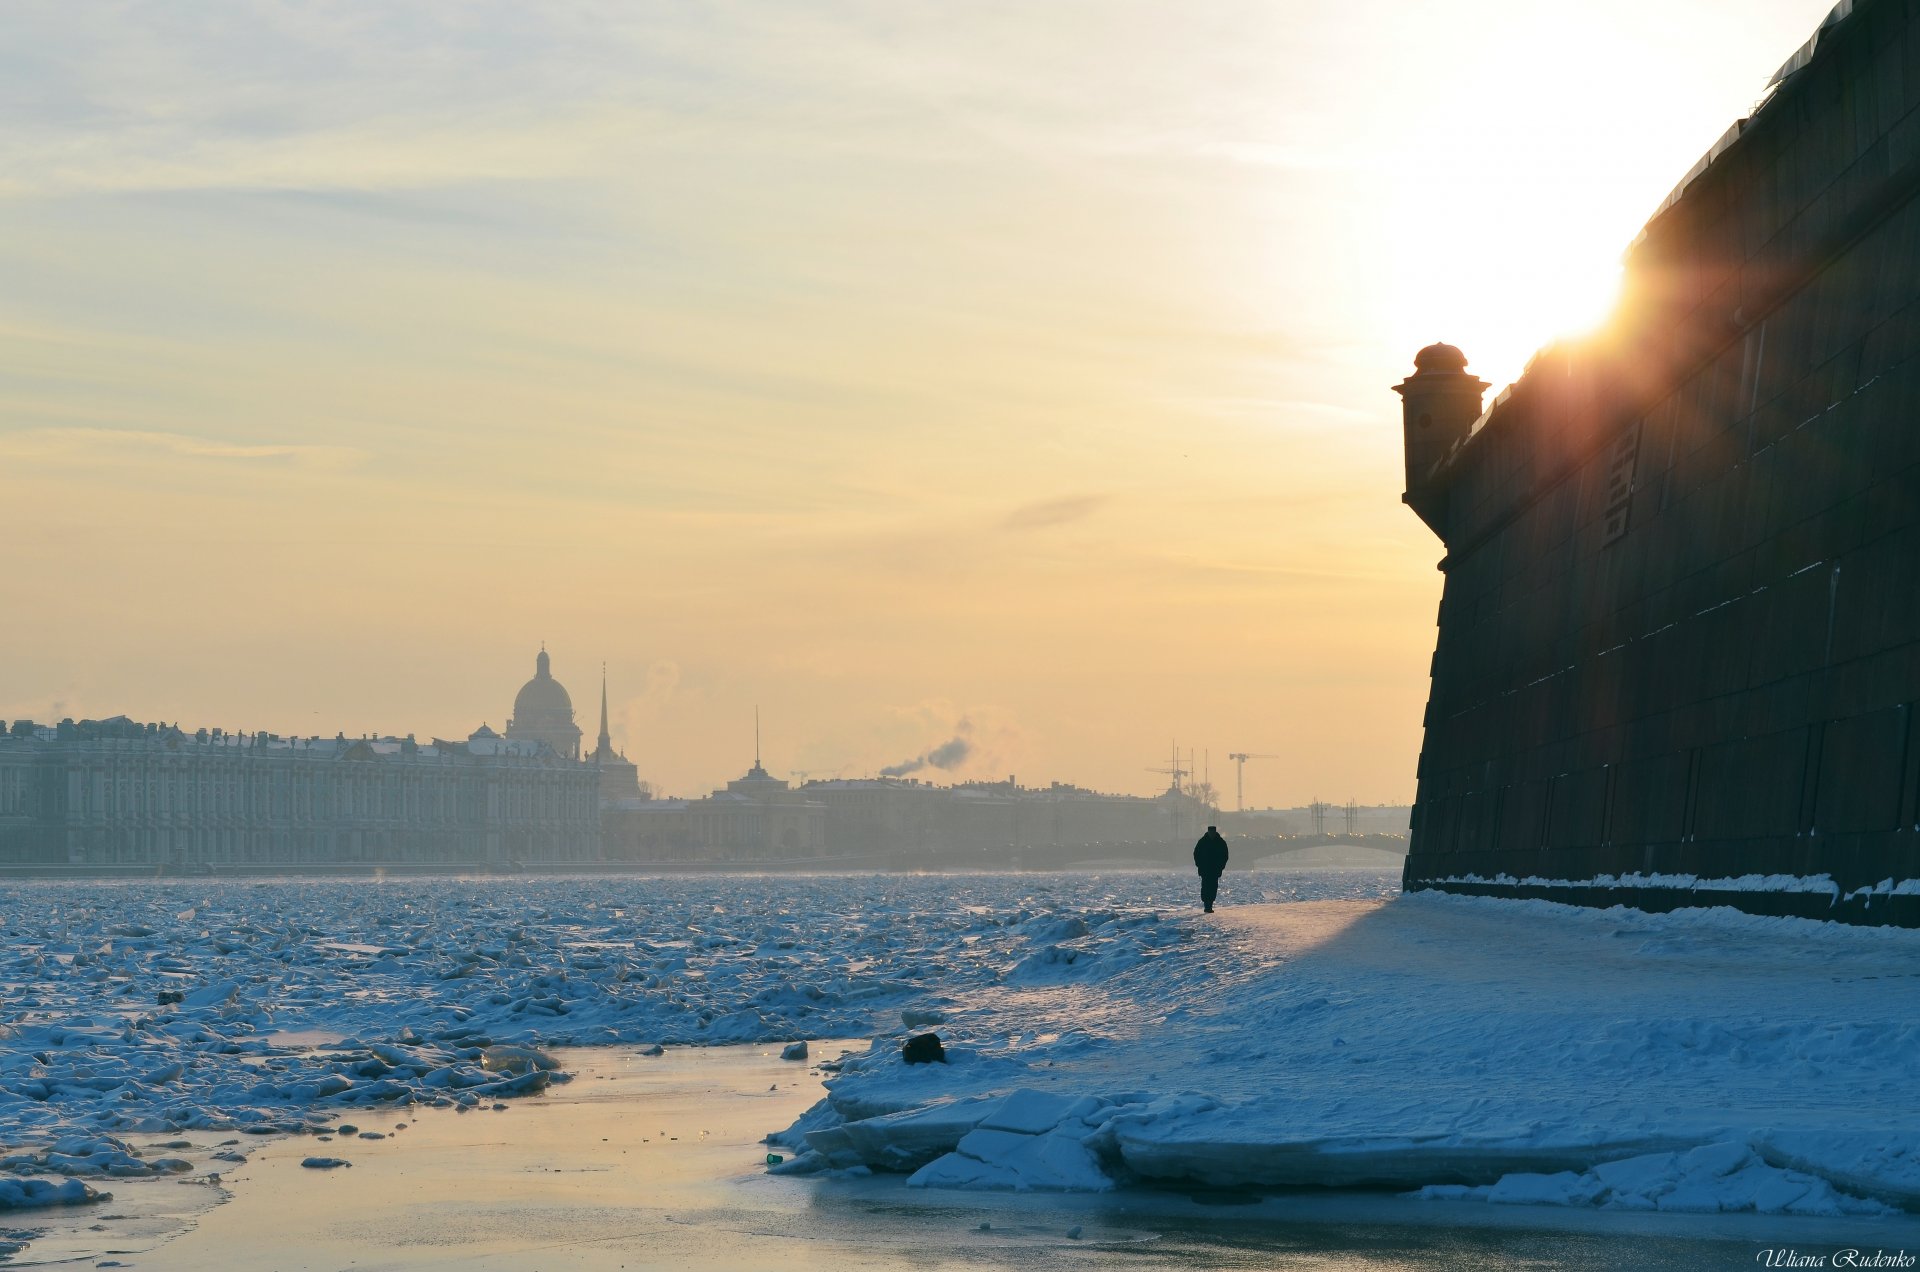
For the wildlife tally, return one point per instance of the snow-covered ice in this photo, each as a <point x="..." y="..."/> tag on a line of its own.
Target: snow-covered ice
<point x="1499" y="1051"/>
<point x="1728" y="1175"/>
<point x="1098" y="1030"/>
<point x="273" y="1006"/>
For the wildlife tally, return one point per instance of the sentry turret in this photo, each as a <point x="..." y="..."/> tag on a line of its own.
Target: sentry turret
<point x="1439" y="403"/>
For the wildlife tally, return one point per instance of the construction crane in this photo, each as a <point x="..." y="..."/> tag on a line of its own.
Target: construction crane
<point x="1174" y="769"/>
<point x="1240" y="759"/>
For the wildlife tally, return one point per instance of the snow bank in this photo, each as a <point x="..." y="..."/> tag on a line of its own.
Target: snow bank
<point x="1511" y="1052"/>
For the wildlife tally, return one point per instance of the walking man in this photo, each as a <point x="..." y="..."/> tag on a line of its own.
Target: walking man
<point x="1210" y="858"/>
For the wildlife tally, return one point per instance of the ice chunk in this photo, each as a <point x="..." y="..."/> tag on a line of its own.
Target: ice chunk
<point x="1881" y="1163"/>
<point x="902" y="1141"/>
<point x="1032" y="1112"/>
<point x="1564" y="1188"/>
<point x="212" y="995"/>
<point x="28" y="1194"/>
<point x="506" y="1059"/>
<point x="990" y="1159"/>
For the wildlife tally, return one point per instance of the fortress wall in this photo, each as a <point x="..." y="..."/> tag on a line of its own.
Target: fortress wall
<point x="1680" y="629"/>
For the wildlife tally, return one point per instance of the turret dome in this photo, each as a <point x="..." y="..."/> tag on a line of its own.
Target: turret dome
<point x="1440" y="357"/>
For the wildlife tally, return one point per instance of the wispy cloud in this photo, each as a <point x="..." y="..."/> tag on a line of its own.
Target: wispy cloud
<point x="68" y="444"/>
<point x="1053" y="512"/>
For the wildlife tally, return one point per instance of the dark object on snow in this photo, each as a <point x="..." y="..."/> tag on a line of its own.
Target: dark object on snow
<point x="168" y="997"/>
<point x="923" y="1049"/>
<point x="1210" y="858"/>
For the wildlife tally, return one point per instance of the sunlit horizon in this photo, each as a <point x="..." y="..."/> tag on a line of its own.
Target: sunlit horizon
<point x="899" y="372"/>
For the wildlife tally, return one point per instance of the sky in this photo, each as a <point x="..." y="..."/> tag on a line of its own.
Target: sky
<point x="1011" y="372"/>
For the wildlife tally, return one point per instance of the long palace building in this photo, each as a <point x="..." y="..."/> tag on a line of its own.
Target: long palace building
<point x="118" y="793"/>
<point x="1679" y="643"/>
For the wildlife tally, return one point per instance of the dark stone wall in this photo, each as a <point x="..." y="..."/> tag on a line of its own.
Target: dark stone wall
<point x="1680" y="630"/>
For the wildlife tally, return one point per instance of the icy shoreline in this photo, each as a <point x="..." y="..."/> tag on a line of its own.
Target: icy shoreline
<point x="1498" y="1051"/>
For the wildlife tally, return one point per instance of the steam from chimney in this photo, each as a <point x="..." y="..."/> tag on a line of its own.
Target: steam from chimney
<point x="950" y="754"/>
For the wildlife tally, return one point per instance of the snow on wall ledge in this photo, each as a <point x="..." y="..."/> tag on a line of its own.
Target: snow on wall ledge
<point x="1888" y="902"/>
<point x="1488" y="1051"/>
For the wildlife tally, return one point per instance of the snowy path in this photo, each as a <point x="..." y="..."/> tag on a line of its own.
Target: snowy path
<point x="1740" y="1062"/>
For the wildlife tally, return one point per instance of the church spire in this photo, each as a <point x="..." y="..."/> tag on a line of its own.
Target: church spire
<point x="606" y="742"/>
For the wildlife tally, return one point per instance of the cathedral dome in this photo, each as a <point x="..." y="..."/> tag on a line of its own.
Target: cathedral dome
<point x="543" y="711"/>
<point x="543" y="695"/>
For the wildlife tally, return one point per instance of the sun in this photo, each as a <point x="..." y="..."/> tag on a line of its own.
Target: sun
<point x="1518" y="187"/>
<point x="1500" y="274"/>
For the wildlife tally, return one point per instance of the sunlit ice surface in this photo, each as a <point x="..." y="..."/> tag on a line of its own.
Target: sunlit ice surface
<point x="656" y="1162"/>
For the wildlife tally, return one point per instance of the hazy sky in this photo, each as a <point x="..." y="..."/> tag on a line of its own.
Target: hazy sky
<point x="890" y="365"/>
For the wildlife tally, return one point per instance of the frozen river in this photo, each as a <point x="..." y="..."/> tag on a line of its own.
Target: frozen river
<point x="1176" y="1087"/>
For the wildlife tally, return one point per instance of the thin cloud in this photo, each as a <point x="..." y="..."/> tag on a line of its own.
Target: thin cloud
<point x="1053" y="512"/>
<point x="111" y="443"/>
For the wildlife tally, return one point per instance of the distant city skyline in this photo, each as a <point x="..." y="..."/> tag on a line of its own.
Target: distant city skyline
<point x="558" y="726"/>
<point x="892" y="369"/>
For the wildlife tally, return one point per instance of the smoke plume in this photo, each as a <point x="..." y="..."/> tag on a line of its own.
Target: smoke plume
<point x="950" y="754"/>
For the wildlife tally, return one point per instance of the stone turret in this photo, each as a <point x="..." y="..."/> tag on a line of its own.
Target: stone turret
<point x="1439" y="403"/>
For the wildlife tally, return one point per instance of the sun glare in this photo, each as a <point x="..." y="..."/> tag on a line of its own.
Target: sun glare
<point x="1521" y="243"/>
<point x="1508" y="283"/>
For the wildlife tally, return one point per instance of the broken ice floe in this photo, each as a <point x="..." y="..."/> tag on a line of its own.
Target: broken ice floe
<point x="1728" y="1176"/>
<point x="290" y="1002"/>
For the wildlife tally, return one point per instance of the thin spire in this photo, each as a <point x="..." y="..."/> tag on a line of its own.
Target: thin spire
<point x="606" y="742"/>
<point x="756" y="735"/>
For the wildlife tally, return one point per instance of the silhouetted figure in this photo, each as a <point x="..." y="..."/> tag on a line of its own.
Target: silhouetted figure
<point x="1210" y="858"/>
